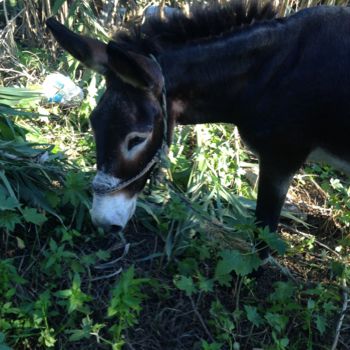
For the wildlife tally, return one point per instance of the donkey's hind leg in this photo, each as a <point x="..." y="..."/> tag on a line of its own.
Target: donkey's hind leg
<point x="274" y="179"/>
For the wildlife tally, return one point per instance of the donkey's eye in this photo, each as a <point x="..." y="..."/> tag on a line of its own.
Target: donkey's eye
<point x="135" y="141"/>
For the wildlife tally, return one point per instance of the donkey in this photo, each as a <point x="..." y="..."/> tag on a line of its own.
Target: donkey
<point x="284" y="82"/>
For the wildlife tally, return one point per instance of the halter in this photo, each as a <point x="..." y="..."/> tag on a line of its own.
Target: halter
<point x="101" y="189"/>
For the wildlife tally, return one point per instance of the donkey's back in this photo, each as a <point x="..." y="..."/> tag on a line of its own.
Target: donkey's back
<point x="303" y="92"/>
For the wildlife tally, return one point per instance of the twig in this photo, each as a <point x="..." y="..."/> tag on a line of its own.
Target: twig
<point x="238" y="291"/>
<point x="108" y="276"/>
<point x="5" y="12"/>
<point x="320" y="189"/>
<point x="23" y="73"/>
<point x="34" y="260"/>
<point x="237" y="154"/>
<point x="111" y="263"/>
<point x="199" y="316"/>
<point x="342" y="315"/>
<point x="10" y="21"/>
<point x="283" y="269"/>
<point x="130" y="346"/>
<point x="310" y="236"/>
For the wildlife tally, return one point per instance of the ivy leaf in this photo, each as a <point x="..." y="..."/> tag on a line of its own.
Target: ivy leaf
<point x="186" y="284"/>
<point x="233" y="260"/>
<point x="253" y="316"/>
<point x="32" y="215"/>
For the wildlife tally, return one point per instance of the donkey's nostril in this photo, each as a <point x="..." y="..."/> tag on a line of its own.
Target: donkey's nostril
<point x="115" y="228"/>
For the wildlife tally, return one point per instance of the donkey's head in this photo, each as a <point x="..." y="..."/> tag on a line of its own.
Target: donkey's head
<point x="128" y="122"/>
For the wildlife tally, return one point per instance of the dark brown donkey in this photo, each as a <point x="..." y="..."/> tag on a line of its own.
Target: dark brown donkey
<point x="284" y="82"/>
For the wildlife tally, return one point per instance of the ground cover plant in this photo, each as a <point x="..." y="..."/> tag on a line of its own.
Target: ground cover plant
<point x="179" y="277"/>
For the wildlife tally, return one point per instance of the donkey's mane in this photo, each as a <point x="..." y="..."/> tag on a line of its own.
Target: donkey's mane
<point x="203" y="23"/>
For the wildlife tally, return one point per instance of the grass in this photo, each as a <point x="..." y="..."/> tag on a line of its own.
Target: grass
<point x="179" y="276"/>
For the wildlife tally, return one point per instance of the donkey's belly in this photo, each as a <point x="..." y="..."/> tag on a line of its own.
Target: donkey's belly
<point x="321" y="155"/>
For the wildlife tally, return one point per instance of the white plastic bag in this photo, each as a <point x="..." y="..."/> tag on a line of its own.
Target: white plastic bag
<point x="58" y="88"/>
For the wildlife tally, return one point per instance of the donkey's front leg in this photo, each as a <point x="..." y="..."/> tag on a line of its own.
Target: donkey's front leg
<point x="274" y="180"/>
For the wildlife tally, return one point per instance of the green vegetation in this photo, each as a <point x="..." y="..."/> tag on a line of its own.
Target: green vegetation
<point x="179" y="277"/>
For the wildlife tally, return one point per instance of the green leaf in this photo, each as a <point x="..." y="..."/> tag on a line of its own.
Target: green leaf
<point x="233" y="260"/>
<point x="76" y="185"/>
<point x="321" y="323"/>
<point x="32" y="215"/>
<point x="281" y="344"/>
<point x="4" y="347"/>
<point x="311" y="304"/>
<point x="338" y="268"/>
<point x="7" y="203"/>
<point x="211" y="346"/>
<point x="78" y="334"/>
<point x="206" y="285"/>
<point x="47" y="337"/>
<point x="283" y="292"/>
<point x="9" y="219"/>
<point x="224" y="280"/>
<point x="76" y="297"/>
<point x="127" y="298"/>
<point x="253" y="316"/>
<point x="53" y="245"/>
<point x="277" y="321"/>
<point x="185" y="284"/>
<point x="273" y="240"/>
<point x="188" y="266"/>
<point x="20" y="243"/>
<point x="329" y="307"/>
<point x="7" y="184"/>
<point x="103" y="254"/>
<point x="63" y="293"/>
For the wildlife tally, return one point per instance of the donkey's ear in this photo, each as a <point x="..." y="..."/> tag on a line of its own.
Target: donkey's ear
<point x="90" y="52"/>
<point x="135" y="69"/>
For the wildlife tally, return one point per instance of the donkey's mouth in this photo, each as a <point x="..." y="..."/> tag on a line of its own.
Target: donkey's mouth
<point x="112" y="212"/>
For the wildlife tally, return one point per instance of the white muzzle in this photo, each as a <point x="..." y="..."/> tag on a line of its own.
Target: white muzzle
<point x="111" y="210"/>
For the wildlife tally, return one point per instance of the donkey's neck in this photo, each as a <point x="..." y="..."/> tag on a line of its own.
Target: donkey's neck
<point x="212" y="81"/>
